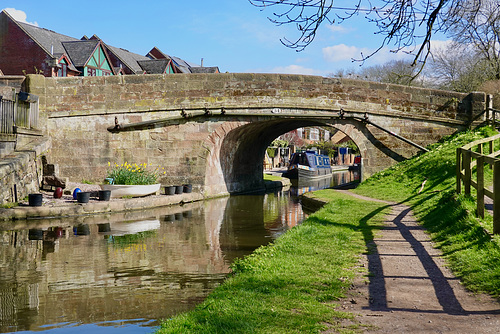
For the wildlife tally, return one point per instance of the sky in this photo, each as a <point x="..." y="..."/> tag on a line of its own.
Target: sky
<point x="231" y="34"/>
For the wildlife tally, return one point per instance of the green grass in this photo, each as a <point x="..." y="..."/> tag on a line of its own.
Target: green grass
<point x="269" y="177"/>
<point x="466" y="241"/>
<point x="291" y="285"/>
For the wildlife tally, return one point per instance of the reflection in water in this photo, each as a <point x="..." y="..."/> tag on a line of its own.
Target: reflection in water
<point x="122" y="272"/>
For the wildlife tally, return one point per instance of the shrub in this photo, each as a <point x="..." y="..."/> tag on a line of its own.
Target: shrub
<point x="134" y="174"/>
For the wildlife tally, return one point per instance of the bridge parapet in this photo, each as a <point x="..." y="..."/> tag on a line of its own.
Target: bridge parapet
<point x="79" y="96"/>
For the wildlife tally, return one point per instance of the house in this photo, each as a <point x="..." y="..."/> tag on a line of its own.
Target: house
<point x="181" y="65"/>
<point x="27" y="49"/>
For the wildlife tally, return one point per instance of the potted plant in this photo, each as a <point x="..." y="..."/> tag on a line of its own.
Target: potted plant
<point x="132" y="180"/>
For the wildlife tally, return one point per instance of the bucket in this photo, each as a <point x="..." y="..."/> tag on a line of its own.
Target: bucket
<point x="170" y="190"/>
<point x="104" y="195"/>
<point x="169" y="218"/>
<point x="178" y="189"/>
<point x="83" y="197"/>
<point x="35" y="199"/>
<point x="178" y="216"/>
<point x="188" y="188"/>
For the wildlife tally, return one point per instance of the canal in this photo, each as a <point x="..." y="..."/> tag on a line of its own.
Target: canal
<point x="122" y="273"/>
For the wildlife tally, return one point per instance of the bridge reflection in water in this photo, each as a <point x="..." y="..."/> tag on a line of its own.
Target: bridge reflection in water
<point x="124" y="271"/>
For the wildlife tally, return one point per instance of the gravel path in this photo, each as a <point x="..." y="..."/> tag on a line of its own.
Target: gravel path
<point x="410" y="289"/>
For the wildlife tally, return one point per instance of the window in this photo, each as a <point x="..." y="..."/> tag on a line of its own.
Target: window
<point x="62" y="71"/>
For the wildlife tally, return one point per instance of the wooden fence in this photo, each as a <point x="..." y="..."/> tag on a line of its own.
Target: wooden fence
<point x="17" y="115"/>
<point x="474" y="155"/>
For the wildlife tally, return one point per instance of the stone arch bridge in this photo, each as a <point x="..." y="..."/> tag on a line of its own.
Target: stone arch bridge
<point x="212" y="130"/>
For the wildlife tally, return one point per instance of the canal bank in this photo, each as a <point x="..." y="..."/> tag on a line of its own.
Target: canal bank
<point x="68" y="207"/>
<point x="120" y="272"/>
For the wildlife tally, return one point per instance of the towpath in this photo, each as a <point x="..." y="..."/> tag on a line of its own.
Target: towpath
<point x="410" y="289"/>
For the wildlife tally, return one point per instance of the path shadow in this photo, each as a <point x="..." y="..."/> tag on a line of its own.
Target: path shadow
<point x="377" y="280"/>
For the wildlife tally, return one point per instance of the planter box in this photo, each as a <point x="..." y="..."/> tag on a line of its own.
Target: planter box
<point x="121" y="190"/>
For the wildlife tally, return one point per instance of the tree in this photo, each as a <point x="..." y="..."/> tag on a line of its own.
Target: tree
<point x="399" y="72"/>
<point x="402" y="23"/>
<point x="477" y="24"/>
<point x="458" y="67"/>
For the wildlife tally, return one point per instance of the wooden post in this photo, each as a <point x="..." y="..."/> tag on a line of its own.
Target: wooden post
<point x="491" y="142"/>
<point x="480" y="186"/>
<point x="496" y="199"/>
<point x="459" y="170"/>
<point x="489" y="109"/>
<point x="468" y="172"/>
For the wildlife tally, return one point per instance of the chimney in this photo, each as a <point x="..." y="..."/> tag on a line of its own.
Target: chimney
<point x="201" y="62"/>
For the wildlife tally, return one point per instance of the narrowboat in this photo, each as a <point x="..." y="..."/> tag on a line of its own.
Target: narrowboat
<point x="308" y="165"/>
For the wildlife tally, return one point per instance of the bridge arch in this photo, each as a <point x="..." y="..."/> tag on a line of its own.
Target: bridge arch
<point x="237" y="149"/>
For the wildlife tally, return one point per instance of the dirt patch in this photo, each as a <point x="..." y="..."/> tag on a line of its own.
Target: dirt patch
<point x="410" y="289"/>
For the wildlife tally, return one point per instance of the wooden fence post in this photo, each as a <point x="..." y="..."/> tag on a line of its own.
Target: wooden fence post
<point x="468" y="171"/>
<point x="480" y="186"/>
<point x="496" y="197"/>
<point x="459" y="170"/>
<point x="489" y="111"/>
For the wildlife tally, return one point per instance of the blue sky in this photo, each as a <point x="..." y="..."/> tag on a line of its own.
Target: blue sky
<point x="230" y="34"/>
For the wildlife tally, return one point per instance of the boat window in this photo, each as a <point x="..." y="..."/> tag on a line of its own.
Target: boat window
<point x="303" y="160"/>
<point x="326" y="161"/>
<point x="320" y="163"/>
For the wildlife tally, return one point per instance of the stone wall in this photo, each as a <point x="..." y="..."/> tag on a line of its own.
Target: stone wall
<point x="21" y="171"/>
<point x="223" y="152"/>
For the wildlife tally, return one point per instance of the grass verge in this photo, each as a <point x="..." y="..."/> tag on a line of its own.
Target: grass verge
<point x="291" y="285"/>
<point x="472" y="252"/>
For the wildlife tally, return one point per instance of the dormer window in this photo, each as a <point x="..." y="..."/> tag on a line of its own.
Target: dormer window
<point x="63" y="68"/>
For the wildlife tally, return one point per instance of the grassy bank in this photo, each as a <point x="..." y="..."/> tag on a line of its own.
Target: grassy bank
<point x="291" y="286"/>
<point x="466" y="241"/>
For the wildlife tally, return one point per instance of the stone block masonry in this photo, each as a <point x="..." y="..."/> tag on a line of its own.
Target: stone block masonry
<point x="21" y="171"/>
<point x="224" y="153"/>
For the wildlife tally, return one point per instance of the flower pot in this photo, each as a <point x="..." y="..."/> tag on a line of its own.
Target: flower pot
<point x="121" y="190"/>
<point x="178" y="189"/>
<point x="170" y="190"/>
<point x="169" y="218"/>
<point x="104" y="195"/>
<point x="83" y="197"/>
<point x="35" y="199"/>
<point x="187" y="188"/>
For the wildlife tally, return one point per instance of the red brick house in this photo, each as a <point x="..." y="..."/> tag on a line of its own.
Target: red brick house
<point x="27" y="49"/>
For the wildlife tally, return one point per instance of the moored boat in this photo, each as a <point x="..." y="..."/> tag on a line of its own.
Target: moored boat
<point x="308" y="166"/>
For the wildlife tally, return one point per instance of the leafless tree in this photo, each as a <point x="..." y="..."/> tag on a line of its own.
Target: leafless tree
<point x="405" y="25"/>
<point x="458" y="67"/>
<point x="476" y="24"/>
<point x="399" y="72"/>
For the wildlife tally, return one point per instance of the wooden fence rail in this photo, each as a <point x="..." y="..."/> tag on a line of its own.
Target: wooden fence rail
<point x="474" y="155"/>
<point x="21" y="113"/>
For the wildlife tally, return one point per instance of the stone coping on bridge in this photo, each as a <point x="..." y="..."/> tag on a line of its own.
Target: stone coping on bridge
<point x="73" y="208"/>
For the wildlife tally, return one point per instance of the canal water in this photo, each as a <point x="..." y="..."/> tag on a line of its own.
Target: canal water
<point x="122" y="273"/>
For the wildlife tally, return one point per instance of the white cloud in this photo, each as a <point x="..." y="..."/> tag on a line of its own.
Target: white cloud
<point x="295" y="69"/>
<point x="19" y="15"/>
<point x="336" y="28"/>
<point x="341" y="52"/>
